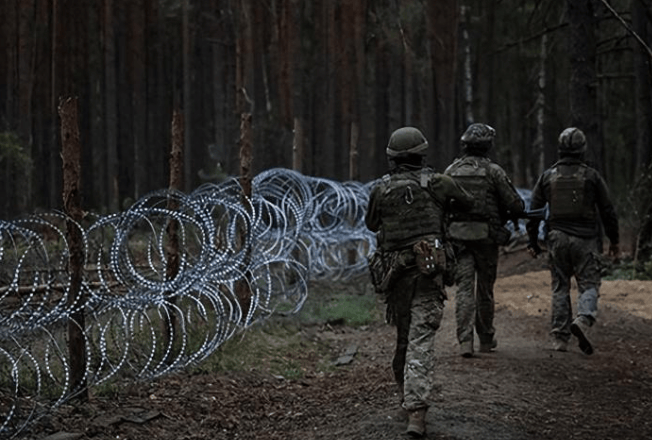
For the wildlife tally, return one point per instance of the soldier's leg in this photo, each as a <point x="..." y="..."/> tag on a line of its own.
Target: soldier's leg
<point x="465" y="297"/>
<point x="426" y="314"/>
<point x="587" y="274"/>
<point x="486" y="261"/>
<point x="400" y="302"/>
<point x="561" y="270"/>
<point x="402" y="316"/>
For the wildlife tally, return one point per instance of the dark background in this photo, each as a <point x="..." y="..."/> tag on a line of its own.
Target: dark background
<point x="320" y="77"/>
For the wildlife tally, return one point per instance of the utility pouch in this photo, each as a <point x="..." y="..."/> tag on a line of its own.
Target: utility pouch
<point x="430" y="259"/>
<point x="382" y="266"/>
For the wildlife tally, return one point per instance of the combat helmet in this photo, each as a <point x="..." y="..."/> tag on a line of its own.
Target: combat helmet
<point x="406" y="141"/>
<point x="572" y="141"/>
<point x="478" y="137"/>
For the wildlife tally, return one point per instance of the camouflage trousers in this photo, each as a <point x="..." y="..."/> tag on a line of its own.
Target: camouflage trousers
<point x="475" y="276"/>
<point x="572" y="256"/>
<point x="417" y="304"/>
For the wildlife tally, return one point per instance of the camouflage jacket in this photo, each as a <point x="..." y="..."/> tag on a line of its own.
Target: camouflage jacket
<point x="497" y="200"/>
<point x="596" y="196"/>
<point x="401" y="222"/>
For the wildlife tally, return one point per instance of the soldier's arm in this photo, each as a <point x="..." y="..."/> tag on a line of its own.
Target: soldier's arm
<point x="538" y="201"/>
<point x="457" y="196"/>
<point x="607" y="211"/>
<point x="372" y="217"/>
<point x="508" y="198"/>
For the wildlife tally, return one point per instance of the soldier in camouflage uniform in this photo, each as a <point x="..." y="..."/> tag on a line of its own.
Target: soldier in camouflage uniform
<point x="477" y="234"/>
<point x="406" y="210"/>
<point x="578" y="199"/>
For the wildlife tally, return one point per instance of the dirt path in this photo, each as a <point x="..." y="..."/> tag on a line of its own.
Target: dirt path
<point x="522" y="391"/>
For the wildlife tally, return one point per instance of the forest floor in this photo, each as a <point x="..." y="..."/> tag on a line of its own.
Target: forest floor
<point x="333" y="380"/>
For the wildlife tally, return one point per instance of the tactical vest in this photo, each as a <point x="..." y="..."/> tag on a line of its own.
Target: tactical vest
<point x="408" y="210"/>
<point x="473" y="176"/>
<point x="568" y="195"/>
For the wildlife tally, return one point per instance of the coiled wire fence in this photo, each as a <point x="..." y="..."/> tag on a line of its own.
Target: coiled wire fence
<point x="293" y="229"/>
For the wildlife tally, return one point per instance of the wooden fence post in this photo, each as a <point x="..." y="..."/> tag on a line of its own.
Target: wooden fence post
<point x="71" y="157"/>
<point x="242" y="288"/>
<point x="172" y="227"/>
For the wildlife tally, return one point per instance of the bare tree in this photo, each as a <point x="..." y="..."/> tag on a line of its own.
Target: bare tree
<point x="583" y="80"/>
<point x="110" y="112"/>
<point x="442" y="26"/>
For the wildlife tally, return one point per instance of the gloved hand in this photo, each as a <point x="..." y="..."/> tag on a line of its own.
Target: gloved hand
<point x="534" y="249"/>
<point x="614" y="250"/>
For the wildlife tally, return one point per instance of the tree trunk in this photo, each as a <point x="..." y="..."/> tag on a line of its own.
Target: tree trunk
<point x="286" y="53"/>
<point x="297" y="146"/>
<point x="26" y="55"/>
<point x="538" y="146"/>
<point x="137" y="75"/>
<point x="242" y="287"/>
<point x="487" y="61"/>
<point x="381" y="108"/>
<point x="111" y="109"/>
<point x="583" y="80"/>
<point x="187" y="101"/>
<point x="467" y="80"/>
<point x="71" y="155"/>
<point x="169" y="322"/>
<point x="443" y="21"/>
<point x="643" y="83"/>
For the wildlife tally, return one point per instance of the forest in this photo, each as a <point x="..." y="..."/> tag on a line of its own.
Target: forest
<point x="325" y="83"/>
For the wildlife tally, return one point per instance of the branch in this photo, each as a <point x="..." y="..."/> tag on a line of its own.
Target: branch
<point x="538" y="35"/>
<point x="628" y="27"/>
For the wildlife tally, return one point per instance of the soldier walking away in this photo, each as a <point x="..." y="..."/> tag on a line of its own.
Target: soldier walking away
<point x="407" y="211"/>
<point x="477" y="235"/>
<point x="578" y="200"/>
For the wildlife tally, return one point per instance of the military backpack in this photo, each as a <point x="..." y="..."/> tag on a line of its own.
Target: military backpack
<point x="568" y="195"/>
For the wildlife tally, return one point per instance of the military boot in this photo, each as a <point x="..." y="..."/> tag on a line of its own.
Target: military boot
<point x="466" y="349"/>
<point x="401" y="413"/>
<point x="489" y="346"/>
<point x="417" y="423"/>
<point x="580" y="328"/>
<point x="559" y="344"/>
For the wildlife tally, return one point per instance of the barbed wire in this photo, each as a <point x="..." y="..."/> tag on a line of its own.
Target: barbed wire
<point x="142" y="321"/>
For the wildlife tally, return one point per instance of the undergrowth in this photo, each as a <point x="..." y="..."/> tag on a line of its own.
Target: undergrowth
<point x="285" y="345"/>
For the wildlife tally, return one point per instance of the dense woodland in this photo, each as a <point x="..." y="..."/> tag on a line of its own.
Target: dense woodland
<point x="325" y="81"/>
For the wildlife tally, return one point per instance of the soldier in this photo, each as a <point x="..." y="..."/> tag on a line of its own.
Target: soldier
<point x="578" y="199"/>
<point x="477" y="234"/>
<point x="406" y="210"/>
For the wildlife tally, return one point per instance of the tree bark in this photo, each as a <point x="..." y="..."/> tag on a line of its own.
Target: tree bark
<point x="297" y="146"/>
<point x="26" y="56"/>
<point x="71" y="156"/>
<point x="443" y="21"/>
<point x="538" y="146"/>
<point x="111" y="109"/>
<point x="583" y="80"/>
<point x="187" y="101"/>
<point x="169" y="322"/>
<point x="643" y="83"/>
<point x="242" y="287"/>
<point x="137" y="75"/>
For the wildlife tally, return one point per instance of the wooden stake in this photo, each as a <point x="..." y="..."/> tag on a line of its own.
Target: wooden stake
<point x="71" y="157"/>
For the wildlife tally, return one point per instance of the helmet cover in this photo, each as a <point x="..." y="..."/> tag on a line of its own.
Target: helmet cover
<point x="406" y="141"/>
<point x="572" y="140"/>
<point x="478" y="133"/>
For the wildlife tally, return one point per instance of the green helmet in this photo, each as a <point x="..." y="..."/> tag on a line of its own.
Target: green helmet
<point x="479" y="136"/>
<point x="406" y="141"/>
<point x="572" y="141"/>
